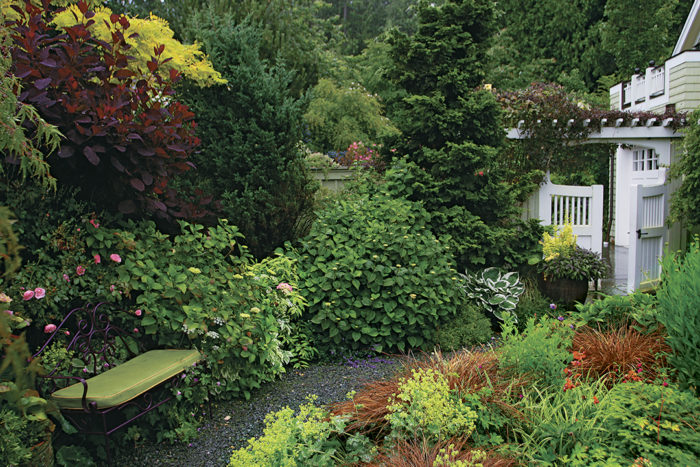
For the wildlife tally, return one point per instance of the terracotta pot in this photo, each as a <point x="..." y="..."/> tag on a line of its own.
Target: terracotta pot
<point x="566" y="291"/>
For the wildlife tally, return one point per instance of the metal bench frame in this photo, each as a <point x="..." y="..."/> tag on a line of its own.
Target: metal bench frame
<point x="94" y="339"/>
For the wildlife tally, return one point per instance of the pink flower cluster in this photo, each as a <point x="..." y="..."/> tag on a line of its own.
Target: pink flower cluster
<point x="284" y="287"/>
<point x="37" y="293"/>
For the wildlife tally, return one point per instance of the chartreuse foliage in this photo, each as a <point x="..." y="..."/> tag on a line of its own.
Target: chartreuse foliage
<point x="426" y="407"/>
<point x="375" y="275"/>
<point x="679" y="302"/>
<point x="151" y="33"/>
<point x="311" y="437"/>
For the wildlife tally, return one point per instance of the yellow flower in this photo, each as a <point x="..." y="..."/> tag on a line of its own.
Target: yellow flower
<point x="4" y="298"/>
<point x="255" y="309"/>
<point x="245" y="315"/>
<point x="413" y="296"/>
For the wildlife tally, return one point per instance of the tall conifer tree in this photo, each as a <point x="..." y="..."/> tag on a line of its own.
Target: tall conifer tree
<point x="450" y="127"/>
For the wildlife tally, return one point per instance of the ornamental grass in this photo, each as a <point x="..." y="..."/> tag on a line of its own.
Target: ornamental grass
<point x="466" y="372"/>
<point x="424" y="453"/>
<point x="619" y="355"/>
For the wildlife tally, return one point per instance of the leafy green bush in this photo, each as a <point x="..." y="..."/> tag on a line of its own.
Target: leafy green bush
<point x="204" y="287"/>
<point x="542" y="349"/>
<point x="679" y="302"/>
<point x="495" y="291"/>
<point x="613" y="311"/>
<point x="652" y="421"/>
<point x="339" y="115"/>
<point x="376" y="276"/>
<point x="532" y="304"/>
<point x="470" y="327"/>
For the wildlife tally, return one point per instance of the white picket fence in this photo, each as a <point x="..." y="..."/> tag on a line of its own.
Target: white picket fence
<point x="581" y="205"/>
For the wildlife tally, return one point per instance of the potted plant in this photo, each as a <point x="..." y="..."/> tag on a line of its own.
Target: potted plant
<point x="567" y="268"/>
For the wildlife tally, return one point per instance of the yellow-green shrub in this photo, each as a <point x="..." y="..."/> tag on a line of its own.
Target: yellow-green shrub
<point x="425" y="406"/>
<point x="562" y="243"/>
<point x="153" y="32"/>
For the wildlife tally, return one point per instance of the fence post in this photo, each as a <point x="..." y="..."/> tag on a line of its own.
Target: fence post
<point x="597" y="219"/>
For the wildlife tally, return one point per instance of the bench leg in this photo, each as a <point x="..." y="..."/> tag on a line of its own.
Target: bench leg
<point x="106" y="435"/>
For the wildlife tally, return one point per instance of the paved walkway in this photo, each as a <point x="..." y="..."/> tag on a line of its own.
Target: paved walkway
<point x="616" y="282"/>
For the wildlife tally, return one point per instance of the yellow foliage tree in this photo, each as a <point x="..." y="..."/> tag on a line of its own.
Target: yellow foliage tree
<point x="151" y="32"/>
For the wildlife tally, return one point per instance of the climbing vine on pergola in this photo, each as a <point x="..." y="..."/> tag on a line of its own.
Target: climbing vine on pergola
<point x="554" y="124"/>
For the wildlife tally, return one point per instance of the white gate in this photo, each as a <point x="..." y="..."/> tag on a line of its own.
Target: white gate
<point x="647" y="235"/>
<point x="580" y="205"/>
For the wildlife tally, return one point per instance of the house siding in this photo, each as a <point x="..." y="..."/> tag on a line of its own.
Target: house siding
<point x="615" y="100"/>
<point x="684" y="86"/>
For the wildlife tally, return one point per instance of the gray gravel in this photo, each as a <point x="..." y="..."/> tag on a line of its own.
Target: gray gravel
<point x="212" y="448"/>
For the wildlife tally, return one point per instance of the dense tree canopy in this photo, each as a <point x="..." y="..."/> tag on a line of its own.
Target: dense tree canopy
<point x="578" y="42"/>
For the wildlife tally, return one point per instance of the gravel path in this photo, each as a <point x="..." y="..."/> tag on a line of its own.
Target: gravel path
<point x="212" y="448"/>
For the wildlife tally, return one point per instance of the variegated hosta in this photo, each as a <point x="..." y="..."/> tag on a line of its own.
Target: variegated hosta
<point x="495" y="290"/>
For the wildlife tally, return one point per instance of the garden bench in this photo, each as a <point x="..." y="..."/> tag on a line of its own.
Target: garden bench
<point x="95" y="405"/>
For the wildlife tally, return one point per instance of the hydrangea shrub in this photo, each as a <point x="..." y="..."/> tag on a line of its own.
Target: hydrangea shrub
<point x="375" y="276"/>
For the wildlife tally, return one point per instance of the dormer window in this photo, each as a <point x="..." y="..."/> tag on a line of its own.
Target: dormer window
<point x="644" y="160"/>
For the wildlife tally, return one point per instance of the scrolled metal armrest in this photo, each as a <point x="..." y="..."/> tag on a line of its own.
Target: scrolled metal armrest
<point x="83" y="381"/>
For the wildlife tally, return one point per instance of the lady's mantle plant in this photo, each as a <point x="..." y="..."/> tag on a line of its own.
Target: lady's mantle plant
<point x="426" y="407"/>
<point x="376" y="276"/>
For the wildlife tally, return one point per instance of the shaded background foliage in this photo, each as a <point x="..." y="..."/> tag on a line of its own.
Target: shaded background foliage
<point x="250" y="130"/>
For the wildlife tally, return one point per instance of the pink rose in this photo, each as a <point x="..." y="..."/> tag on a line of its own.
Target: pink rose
<point x="136" y="330"/>
<point x="115" y="257"/>
<point x="80" y="270"/>
<point x="49" y="328"/>
<point x="94" y="223"/>
<point x="9" y="312"/>
<point x="28" y="295"/>
<point x="137" y="312"/>
<point x="66" y="278"/>
<point x="67" y="333"/>
<point x="39" y="293"/>
<point x="98" y="260"/>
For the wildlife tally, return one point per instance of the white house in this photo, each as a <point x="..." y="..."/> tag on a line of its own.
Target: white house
<point x="641" y="186"/>
<point x="646" y="147"/>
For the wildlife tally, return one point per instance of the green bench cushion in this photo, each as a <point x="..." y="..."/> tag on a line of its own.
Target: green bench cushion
<point x="127" y="380"/>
